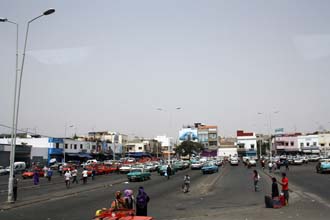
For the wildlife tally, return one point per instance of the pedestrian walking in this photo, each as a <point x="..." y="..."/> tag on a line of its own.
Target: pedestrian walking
<point x="263" y="164"/>
<point x="286" y="165"/>
<point x="117" y="169"/>
<point x="93" y="174"/>
<point x="285" y="188"/>
<point x="74" y="175"/>
<point x="60" y="169"/>
<point x="142" y="200"/>
<point x="275" y="192"/>
<point x="49" y="174"/>
<point x="45" y="169"/>
<point x="15" y="186"/>
<point x="67" y="177"/>
<point x="256" y="178"/>
<point x="168" y="171"/>
<point x="270" y="166"/>
<point x="36" y="177"/>
<point x="84" y="175"/>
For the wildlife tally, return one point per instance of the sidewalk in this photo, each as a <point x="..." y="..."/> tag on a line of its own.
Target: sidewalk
<point x="59" y="194"/>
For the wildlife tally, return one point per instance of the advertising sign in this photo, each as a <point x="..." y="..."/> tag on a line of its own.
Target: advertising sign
<point x="188" y="134"/>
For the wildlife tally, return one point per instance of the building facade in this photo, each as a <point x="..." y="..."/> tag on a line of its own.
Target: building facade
<point x="246" y="143"/>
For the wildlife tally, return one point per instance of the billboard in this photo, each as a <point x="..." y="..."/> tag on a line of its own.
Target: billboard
<point x="188" y="134"/>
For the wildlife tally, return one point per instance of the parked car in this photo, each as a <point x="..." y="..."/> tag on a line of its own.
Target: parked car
<point x="3" y="171"/>
<point x="196" y="165"/>
<point x="125" y="168"/>
<point x="323" y="166"/>
<point x="138" y="174"/>
<point x="163" y="169"/>
<point x="297" y="161"/>
<point x="234" y="161"/>
<point x="252" y="162"/>
<point x="314" y="158"/>
<point x="30" y="173"/>
<point x="209" y="167"/>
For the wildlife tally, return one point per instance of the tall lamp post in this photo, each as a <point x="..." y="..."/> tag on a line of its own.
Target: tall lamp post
<point x="170" y="147"/>
<point x="270" y="130"/>
<point x="65" y="129"/>
<point x="17" y="94"/>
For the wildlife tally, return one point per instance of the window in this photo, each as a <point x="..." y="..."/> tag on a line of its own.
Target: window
<point x="57" y="145"/>
<point x="291" y="143"/>
<point x="301" y="144"/>
<point x="75" y="146"/>
<point x="81" y="146"/>
<point x="93" y="147"/>
<point x="66" y="146"/>
<point x="307" y="144"/>
<point x="314" y="144"/>
<point x="252" y="146"/>
<point x="322" y="145"/>
<point x="140" y="148"/>
<point x="286" y="144"/>
<point x="70" y="146"/>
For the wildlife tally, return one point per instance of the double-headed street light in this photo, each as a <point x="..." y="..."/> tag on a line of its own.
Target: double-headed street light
<point x="170" y="147"/>
<point x="270" y="131"/>
<point x="17" y="94"/>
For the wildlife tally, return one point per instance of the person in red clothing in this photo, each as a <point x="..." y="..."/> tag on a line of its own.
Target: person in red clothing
<point x="285" y="187"/>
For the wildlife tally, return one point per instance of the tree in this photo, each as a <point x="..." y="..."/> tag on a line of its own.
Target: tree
<point x="188" y="148"/>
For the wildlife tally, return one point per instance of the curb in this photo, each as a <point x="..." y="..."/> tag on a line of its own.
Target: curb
<point x="7" y="206"/>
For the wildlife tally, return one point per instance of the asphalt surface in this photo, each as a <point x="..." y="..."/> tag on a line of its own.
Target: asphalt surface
<point x="228" y="194"/>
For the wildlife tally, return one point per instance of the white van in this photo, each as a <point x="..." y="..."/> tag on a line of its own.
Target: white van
<point x="89" y="162"/>
<point x="19" y="166"/>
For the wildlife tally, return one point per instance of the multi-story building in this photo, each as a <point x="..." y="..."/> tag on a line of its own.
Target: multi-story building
<point x="287" y="143"/>
<point x="45" y="148"/>
<point x="246" y="143"/>
<point x="309" y="143"/>
<point x="208" y="135"/>
<point x="324" y="141"/>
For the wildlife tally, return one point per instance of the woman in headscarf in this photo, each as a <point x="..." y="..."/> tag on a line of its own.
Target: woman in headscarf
<point x="119" y="202"/>
<point x="129" y="199"/>
<point x="36" y="177"/>
<point x="142" y="200"/>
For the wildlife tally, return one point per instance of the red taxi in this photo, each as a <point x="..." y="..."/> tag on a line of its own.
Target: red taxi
<point x="30" y="173"/>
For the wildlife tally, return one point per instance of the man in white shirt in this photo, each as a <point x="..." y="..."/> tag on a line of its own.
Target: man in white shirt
<point x="85" y="175"/>
<point x="67" y="177"/>
<point x="74" y="175"/>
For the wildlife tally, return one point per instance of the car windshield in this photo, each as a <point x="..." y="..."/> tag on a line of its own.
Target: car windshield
<point x="136" y="170"/>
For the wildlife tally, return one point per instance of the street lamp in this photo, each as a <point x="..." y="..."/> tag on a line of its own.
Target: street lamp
<point x="65" y="128"/>
<point x="270" y="131"/>
<point x="170" y="147"/>
<point x="17" y="99"/>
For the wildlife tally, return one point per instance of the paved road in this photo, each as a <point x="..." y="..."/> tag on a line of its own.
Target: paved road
<point x="228" y="194"/>
<point x="308" y="180"/>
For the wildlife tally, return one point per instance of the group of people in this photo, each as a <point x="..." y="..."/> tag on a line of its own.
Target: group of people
<point x="140" y="203"/>
<point x="274" y="166"/>
<point x="275" y="191"/>
<point x="74" y="175"/>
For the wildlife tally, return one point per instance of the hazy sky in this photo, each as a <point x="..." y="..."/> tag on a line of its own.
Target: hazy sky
<point x="107" y="65"/>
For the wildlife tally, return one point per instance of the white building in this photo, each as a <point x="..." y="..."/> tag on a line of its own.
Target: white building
<point x="309" y="143"/>
<point x="165" y="141"/>
<point x="324" y="141"/>
<point x="45" y="148"/>
<point x="246" y="143"/>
